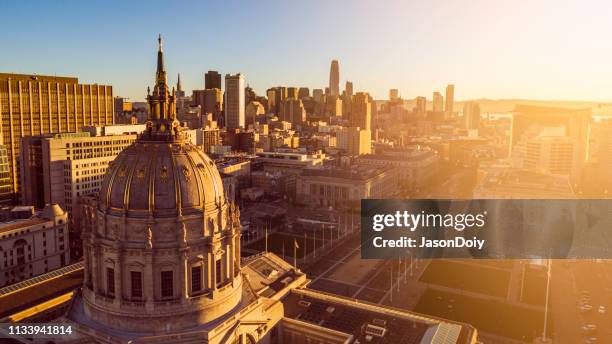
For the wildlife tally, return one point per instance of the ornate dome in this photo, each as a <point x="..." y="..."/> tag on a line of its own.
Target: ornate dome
<point x="161" y="243"/>
<point x="161" y="179"/>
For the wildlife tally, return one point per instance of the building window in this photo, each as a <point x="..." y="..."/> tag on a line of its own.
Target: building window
<point x="166" y="284"/>
<point x="196" y="279"/>
<point x="218" y="276"/>
<point x="136" y="277"/>
<point x="110" y="281"/>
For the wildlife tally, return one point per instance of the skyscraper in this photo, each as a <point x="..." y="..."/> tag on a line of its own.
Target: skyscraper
<point x="438" y="102"/>
<point x="212" y="79"/>
<point x="421" y="104"/>
<point x="393" y="94"/>
<point x="450" y="99"/>
<point x="36" y="104"/>
<point x="334" y="78"/>
<point x="361" y="111"/>
<point x="471" y="115"/>
<point x="234" y="101"/>
<point x="348" y="89"/>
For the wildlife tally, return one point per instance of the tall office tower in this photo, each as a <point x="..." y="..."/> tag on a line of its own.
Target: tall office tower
<point x="471" y="115"/>
<point x="280" y="93"/>
<point x="179" y="87"/>
<point x="450" y="99"/>
<point x="438" y="102"/>
<point x="234" y="101"/>
<point x="271" y="94"/>
<point x="549" y="154"/>
<point x="6" y="184"/>
<point x="303" y="92"/>
<point x="334" y="78"/>
<point x="212" y="79"/>
<point x="293" y="112"/>
<point x="333" y="106"/>
<point x="249" y="94"/>
<point x="347" y="106"/>
<point x="60" y="168"/>
<point x="210" y="101"/>
<point x="35" y="104"/>
<point x="529" y="121"/>
<point x="361" y="111"/>
<point x="354" y="141"/>
<point x="421" y="105"/>
<point x="317" y="95"/>
<point x="393" y="94"/>
<point x="292" y="92"/>
<point x="348" y="88"/>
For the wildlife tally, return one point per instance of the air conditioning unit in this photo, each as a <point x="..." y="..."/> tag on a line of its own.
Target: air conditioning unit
<point x="376" y="331"/>
<point x="304" y="303"/>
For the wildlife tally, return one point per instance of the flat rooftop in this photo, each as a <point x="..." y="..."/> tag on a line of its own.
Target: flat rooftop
<point x="355" y="317"/>
<point x="25" y="294"/>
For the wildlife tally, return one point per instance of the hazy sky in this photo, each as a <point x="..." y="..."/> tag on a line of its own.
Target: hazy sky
<point x="488" y="48"/>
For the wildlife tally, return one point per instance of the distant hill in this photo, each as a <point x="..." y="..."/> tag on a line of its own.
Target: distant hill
<point x="506" y="105"/>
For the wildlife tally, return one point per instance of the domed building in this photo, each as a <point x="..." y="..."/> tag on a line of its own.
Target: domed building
<point x="162" y="261"/>
<point x="163" y="241"/>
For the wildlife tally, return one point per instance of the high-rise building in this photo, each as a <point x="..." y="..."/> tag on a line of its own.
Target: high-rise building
<point x="210" y="101"/>
<point x="361" y="111"/>
<point x="549" y="155"/>
<point x="354" y="141"/>
<point x="6" y="185"/>
<point x="421" y="105"/>
<point x="35" y="104"/>
<point x="471" y="115"/>
<point x="450" y="99"/>
<point x="393" y="94"/>
<point x="59" y="168"/>
<point x="234" y="101"/>
<point x="212" y="79"/>
<point x="437" y="102"/>
<point x="317" y="94"/>
<point x="348" y="89"/>
<point x="292" y="92"/>
<point x="530" y="121"/>
<point x="293" y="112"/>
<point x="334" y="78"/>
<point x="333" y="106"/>
<point x="303" y="92"/>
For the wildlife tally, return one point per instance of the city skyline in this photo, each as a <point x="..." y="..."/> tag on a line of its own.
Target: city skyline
<point x="521" y="54"/>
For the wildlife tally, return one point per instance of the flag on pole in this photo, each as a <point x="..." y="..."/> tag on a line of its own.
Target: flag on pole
<point x="266" y="239"/>
<point x="295" y="247"/>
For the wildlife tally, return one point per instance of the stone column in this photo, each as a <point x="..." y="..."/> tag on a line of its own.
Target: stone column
<point x="94" y="269"/>
<point x="119" y="275"/>
<point x="183" y="275"/>
<point x="148" y="280"/>
<point x="86" y="262"/>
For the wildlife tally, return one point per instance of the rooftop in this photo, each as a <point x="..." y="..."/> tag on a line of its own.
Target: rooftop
<point x="369" y="323"/>
<point x="360" y="173"/>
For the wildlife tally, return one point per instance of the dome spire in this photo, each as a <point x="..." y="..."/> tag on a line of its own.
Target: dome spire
<point x="162" y="122"/>
<point x="161" y="70"/>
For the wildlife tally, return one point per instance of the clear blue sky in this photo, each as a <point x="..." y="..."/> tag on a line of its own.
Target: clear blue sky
<point x="497" y="49"/>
